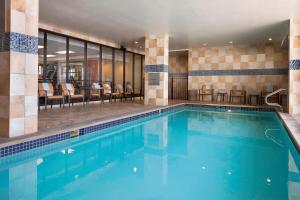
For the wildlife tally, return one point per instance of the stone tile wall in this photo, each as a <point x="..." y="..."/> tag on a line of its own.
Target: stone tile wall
<point x="156" y="70"/>
<point x="294" y="67"/>
<point x="18" y="69"/>
<point x="252" y="67"/>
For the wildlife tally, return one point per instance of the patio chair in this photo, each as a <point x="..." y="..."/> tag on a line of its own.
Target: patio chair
<point x="206" y="91"/>
<point x="107" y="93"/>
<point x="239" y="92"/>
<point x="222" y="93"/>
<point x="129" y="92"/>
<point x="95" y="92"/>
<point x="69" y="91"/>
<point x="46" y="91"/>
<point x="267" y="90"/>
<point x="119" y="92"/>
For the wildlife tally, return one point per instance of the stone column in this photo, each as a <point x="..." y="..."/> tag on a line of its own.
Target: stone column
<point x="294" y="67"/>
<point x="156" y="70"/>
<point x="19" y="68"/>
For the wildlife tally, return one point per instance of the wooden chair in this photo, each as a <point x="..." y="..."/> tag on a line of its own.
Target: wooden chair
<point x="107" y="93"/>
<point x="237" y="92"/>
<point x="222" y="93"/>
<point x="69" y="91"/>
<point x="46" y="91"/>
<point x="206" y="91"/>
<point x="95" y="92"/>
<point x="267" y="90"/>
<point x="129" y="92"/>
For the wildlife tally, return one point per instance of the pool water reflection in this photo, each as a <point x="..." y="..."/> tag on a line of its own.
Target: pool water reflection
<point x="184" y="154"/>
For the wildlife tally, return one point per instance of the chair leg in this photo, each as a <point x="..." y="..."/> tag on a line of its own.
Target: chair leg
<point x="45" y="103"/>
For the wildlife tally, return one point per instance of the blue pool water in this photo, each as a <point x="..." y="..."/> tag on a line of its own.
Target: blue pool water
<point x="189" y="153"/>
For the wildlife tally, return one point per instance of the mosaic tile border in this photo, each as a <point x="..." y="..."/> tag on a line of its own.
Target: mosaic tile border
<point x="11" y="41"/>
<point x="178" y="75"/>
<point x="156" y="68"/>
<point x="294" y="64"/>
<point x="28" y="145"/>
<point x="237" y="72"/>
<point x="24" y="146"/>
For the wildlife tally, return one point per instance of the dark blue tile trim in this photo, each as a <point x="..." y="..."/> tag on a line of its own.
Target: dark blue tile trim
<point x="294" y="64"/>
<point x="242" y="72"/>
<point x="178" y="75"/>
<point x="24" y="146"/>
<point x="156" y="68"/>
<point x="11" y="41"/>
<point x="99" y="127"/>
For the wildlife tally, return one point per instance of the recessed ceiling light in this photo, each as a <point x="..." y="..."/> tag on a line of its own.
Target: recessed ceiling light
<point x="136" y="42"/>
<point x="230" y="42"/>
<point x="40" y="47"/>
<point x="64" y="52"/>
<point x="270" y="39"/>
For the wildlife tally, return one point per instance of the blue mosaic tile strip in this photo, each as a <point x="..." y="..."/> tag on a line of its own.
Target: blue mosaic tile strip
<point x="99" y="127"/>
<point x="156" y="68"/>
<point x="294" y="64"/>
<point x="226" y="108"/>
<point x="178" y="75"/>
<point x="242" y="72"/>
<point x="11" y="41"/>
<point x="24" y="146"/>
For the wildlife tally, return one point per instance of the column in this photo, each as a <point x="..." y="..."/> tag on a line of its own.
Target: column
<point x="18" y="67"/>
<point x="294" y="67"/>
<point x="156" y="70"/>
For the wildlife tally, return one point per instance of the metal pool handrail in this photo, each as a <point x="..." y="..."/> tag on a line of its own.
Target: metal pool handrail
<point x="271" y="94"/>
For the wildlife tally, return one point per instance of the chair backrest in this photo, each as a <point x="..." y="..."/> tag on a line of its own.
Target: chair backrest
<point x="222" y="88"/>
<point x="206" y="88"/>
<point x="237" y="87"/>
<point x="106" y="88"/>
<point x="129" y="88"/>
<point x="119" y="88"/>
<point x="45" y="87"/>
<point x="95" y="88"/>
<point x="66" y="88"/>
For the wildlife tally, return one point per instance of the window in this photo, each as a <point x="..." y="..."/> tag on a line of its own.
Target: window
<point x="76" y="70"/>
<point x="64" y="59"/>
<point x="93" y="62"/>
<point x="129" y="69"/>
<point x="106" y="64"/>
<point x="55" y="69"/>
<point x="118" y="68"/>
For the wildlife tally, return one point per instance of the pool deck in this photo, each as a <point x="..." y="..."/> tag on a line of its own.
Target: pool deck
<point x="57" y="120"/>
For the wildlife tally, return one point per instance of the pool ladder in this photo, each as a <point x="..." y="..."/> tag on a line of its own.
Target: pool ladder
<point x="274" y="104"/>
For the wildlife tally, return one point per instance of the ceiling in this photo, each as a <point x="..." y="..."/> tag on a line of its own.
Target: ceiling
<point x="190" y="23"/>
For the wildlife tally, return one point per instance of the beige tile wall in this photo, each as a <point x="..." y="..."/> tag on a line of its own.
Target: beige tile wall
<point x="18" y="74"/>
<point x="156" y="53"/>
<point x="178" y="62"/>
<point x="294" y="72"/>
<point x="238" y="58"/>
